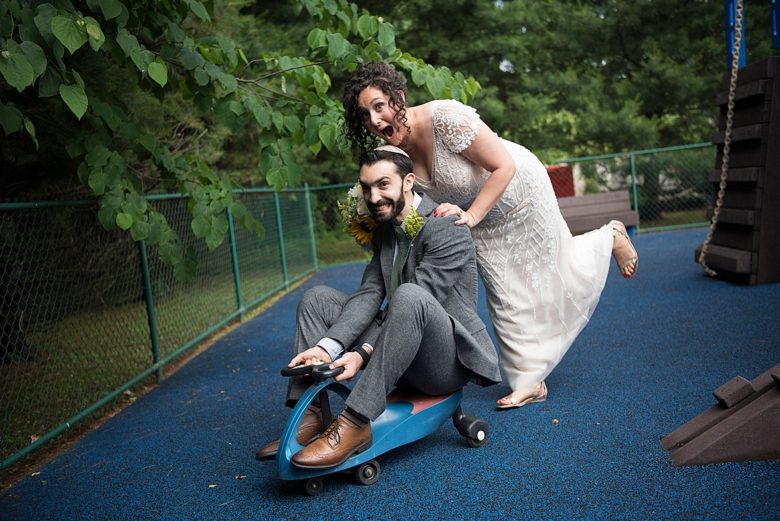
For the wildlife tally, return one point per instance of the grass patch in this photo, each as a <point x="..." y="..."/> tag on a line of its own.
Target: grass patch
<point x="678" y="218"/>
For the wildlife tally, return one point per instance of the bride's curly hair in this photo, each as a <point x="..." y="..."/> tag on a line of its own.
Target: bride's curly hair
<point x="385" y="78"/>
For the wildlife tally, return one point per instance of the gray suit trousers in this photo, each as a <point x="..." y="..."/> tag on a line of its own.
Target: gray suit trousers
<point x="414" y="347"/>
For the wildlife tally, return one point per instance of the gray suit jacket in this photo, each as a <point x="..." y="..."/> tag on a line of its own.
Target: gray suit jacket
<point x="442" y="260"/>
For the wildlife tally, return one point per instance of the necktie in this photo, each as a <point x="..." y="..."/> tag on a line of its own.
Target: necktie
<point x="403" y="248"/>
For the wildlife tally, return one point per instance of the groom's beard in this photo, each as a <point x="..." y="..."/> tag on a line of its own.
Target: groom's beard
<point x="397" y="206"/>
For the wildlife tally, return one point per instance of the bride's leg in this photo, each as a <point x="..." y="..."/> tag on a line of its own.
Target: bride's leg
<point x="520" y="397"/>
<point x="623" y="251"/>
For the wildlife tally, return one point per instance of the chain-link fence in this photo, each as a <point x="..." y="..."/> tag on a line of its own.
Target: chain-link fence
<point x="668" y="186"/>
<point x="86" y="314"/>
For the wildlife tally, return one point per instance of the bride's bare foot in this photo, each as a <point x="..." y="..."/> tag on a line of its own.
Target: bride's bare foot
<point x="522" y="397"/>
<point x="623" y="251"/>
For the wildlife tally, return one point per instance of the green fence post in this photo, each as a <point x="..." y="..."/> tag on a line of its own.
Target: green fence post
<point x="280" y="235"/>
<point x="234" y="258"/>
<point x="635" y="197"/>
<point x="310" y="221"/>
<point x="151" y="315"/>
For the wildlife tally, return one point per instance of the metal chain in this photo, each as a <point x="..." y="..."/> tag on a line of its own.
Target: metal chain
<point x="724" y="165"/>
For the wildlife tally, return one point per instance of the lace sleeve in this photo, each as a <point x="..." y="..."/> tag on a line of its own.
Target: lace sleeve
<point x="456" y="125"/>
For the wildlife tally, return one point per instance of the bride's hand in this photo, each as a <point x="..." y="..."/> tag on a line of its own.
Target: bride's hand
<point x="464" y="216"/>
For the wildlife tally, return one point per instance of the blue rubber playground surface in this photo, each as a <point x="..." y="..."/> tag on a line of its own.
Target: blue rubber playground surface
<point x="656" y="348"/>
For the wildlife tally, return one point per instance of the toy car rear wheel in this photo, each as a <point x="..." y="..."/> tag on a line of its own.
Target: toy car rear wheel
<point x="313" y="486"/>
<point x="368" y="472"/>
<point x="479" y="440"/>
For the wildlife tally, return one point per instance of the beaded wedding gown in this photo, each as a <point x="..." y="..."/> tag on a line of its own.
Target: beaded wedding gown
<point x="542" y="284"/>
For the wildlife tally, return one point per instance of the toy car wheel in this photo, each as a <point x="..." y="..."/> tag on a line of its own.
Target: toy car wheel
<point x="479" y="440"/>
<point x="368" y="473"/>
<point x="313" y="486"/>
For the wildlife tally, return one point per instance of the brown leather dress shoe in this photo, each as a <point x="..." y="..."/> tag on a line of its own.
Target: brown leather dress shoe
<point x="308" y="429"/>
<point x="340" y="440"/>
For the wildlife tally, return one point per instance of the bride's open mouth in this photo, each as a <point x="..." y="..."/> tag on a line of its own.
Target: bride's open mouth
<point x="388" y="132"/>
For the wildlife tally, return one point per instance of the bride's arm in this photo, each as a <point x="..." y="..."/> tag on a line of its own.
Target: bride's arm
<point x="488" y="152"/>
<point x="466" y="134"/>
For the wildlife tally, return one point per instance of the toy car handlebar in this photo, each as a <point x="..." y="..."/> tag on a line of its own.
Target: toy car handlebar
<point x="317" y="371"/>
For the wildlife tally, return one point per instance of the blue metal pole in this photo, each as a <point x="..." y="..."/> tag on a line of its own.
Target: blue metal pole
<point x="775" y="24"/>
<point x="151" y="313"/>
<point x="280" y="237"/>
<point x="730" y="9"/>
<point x="634" y="195"/>
<point x="310" y="223"/>
<point x="234" y="258"/>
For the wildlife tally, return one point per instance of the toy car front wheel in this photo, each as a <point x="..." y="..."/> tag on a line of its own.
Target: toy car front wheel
<point x="313" y="486"/>
<point x="368" y="472"/>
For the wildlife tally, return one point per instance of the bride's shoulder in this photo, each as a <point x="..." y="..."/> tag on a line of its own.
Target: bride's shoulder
<point x="448" y="108"/>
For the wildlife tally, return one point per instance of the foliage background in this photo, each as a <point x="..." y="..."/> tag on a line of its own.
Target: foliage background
<point x="122" y="98"/>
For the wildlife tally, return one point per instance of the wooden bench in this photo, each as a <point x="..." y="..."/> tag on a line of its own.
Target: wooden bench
<point x="587" y="212"/>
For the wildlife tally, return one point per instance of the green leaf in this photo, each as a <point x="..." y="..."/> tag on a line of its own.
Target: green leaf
<point x="97" y="181"/>
<point x="124" y="220"/>
<point x="311" y="132"/>
<point x="260" y="112"/>
<point x="148" y="142"/>
<point x="367" y="26"/>
<point x="219" y="227"/>
<point x="69" y="33"/>
<point x="228" y="82"/>
<point x="419" y="76"/>
<point x="43" y="21"/>
<point x="238" y="210"/>
<point x="327" y="135"/>
<point x="111" y="8"/>
<point x="278" y="120"/>
<point x="170" y="251"/>
<point x="35" y="55"/>
<point x="142" y="58"/>
<point x="200" y="227"/>
<point x="95" y="33"/>
<point x="77" y="78"/>
<point x="275" y="178"/>
<point x="199" y="10"/>
<point x="107" y="217"/>
<point x="75" y="98"/>
<point x="93" y="29"/>
<point x="127" y="41"/>
<point x="140" y="230"/>
<point x="17" y="70"/>
<point x="386" y="36"/>
<point x="345" y="19"/>
<point x="435" y="86"/>
<point x="292" y="124"/>
<point x="10" y="118"/>
<point x="338" y="46"/>
<point x="110" y="113"/>
<point x="97" y="156"/>
<point x="190" y="59"/>
<point x="158" y="72"/>
<point x="317" y="38"/>
<point x="30" y="128"/>
<point x="202" y="77"/>
<point x="49" y="84"/>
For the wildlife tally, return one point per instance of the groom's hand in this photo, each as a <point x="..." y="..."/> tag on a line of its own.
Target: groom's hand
<point x="313" y="355"/>
<point x="351" y="362"/>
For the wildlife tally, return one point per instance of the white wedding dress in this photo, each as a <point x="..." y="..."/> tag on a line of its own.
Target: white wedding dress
<point x="542" y="284"/>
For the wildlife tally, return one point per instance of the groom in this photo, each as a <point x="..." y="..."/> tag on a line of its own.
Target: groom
<point x="429" y="338"/>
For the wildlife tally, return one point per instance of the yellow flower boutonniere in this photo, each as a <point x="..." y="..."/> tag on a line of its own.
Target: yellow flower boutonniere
<point x="412" y="223"/>
<point x="357" y="219"/>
